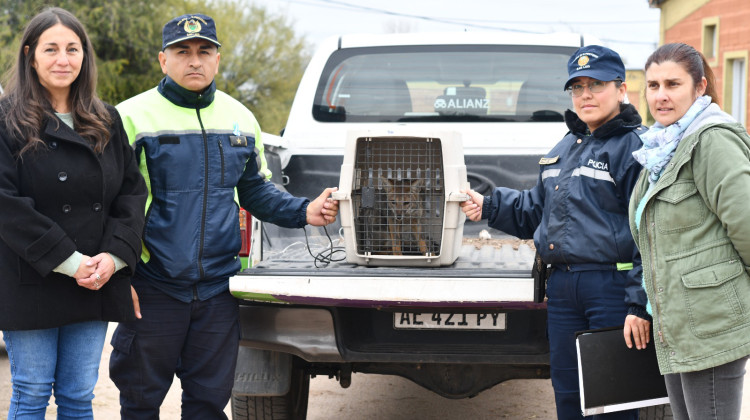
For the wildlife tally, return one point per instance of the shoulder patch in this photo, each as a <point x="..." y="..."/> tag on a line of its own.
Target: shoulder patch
<point x="548" y="161"/>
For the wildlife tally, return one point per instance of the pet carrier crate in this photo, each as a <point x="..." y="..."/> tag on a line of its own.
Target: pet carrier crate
<point x="399" y="198"/>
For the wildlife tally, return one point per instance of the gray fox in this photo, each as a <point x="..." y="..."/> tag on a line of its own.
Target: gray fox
<point x="405" y="215"/>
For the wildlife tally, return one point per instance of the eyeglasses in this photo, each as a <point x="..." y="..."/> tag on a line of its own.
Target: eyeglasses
<point x="596" y="86"/>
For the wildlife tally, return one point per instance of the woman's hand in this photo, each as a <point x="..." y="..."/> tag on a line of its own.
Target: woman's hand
<point x="639" y="328"/>
<point x="99" y="268"/>
<point x="85" y="270"/>
<point x="473" y="206"/>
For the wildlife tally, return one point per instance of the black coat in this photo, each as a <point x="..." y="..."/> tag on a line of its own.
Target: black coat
<point x="54" y="201"/>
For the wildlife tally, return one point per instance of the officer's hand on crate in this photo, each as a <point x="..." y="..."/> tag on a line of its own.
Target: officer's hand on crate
<point x="473" y="207"/>
<point x="323" y="210"/>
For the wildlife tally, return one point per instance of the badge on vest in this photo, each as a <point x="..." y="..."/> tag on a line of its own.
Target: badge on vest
<point x="549" y="161"/>
<point x="238" y="141"/>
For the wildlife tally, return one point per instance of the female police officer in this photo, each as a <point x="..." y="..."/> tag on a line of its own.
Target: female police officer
<point x="578" y="216"/>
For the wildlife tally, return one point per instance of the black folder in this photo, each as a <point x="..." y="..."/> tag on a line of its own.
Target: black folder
<point x="613" y="377"/>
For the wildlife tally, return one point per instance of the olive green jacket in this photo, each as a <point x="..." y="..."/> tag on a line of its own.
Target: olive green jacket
<point x="694" y="239"/>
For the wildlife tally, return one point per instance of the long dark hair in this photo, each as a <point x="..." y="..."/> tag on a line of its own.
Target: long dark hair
<point x="28" y="103"/>
<point x="691" y="60"/>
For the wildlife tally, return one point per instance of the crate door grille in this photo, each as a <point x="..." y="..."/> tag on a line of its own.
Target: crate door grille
<point x="398" y="195"/>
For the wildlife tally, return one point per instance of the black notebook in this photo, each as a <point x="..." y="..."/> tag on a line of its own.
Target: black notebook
<point x="613" y="377"/>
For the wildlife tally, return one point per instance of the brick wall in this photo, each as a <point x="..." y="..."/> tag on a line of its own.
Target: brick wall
<point x="733" y="18"/>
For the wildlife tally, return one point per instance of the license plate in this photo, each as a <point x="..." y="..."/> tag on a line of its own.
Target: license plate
<point x="449" y="321"/>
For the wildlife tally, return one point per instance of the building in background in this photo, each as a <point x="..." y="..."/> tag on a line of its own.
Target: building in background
<point x="636" y="82"/>
<point x="720" y="30"/>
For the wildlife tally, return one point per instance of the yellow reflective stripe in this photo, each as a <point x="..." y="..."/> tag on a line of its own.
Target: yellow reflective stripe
<point x="624" y="266"/>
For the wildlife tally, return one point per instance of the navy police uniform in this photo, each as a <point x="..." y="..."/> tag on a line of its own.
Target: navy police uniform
<point x="577" y="214"/>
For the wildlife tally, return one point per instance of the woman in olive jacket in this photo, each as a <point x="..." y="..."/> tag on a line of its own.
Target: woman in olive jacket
<point x="71" y="215"/>
<point x="689" y="218"/>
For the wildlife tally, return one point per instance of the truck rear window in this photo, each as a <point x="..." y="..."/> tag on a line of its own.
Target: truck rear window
<point x="444" y="84"/>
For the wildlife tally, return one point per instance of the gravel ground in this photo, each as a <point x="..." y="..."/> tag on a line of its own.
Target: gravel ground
<point x="106" y="400"/>
<point x="379" y="397"/>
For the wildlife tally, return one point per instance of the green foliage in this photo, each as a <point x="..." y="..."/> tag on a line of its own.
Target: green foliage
<point x="125" y="35"/>
<point x="263" y="66"/>
<point x="262" y="60"/>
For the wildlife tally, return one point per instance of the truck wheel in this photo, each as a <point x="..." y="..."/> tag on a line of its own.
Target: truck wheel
<point x="656" y="412"/>
<point x="290" y="406"/>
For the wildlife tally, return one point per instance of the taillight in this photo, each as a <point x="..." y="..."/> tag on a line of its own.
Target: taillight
<point x="245" y="232"/>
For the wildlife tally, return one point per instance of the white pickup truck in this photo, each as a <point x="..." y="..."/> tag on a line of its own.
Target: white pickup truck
<point x="456" y="329"/>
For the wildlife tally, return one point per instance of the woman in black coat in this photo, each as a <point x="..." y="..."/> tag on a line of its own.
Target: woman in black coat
<point x="71" y="214"/>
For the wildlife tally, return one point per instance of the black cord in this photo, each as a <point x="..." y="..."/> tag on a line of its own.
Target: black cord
<point x="325" y="257"/>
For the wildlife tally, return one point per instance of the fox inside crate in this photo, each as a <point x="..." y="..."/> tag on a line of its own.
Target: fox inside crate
<point x="404" y="214"/>
<point x="394" y="218"/>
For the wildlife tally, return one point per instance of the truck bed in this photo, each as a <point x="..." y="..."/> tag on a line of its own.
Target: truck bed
<point x="492" y="272"/>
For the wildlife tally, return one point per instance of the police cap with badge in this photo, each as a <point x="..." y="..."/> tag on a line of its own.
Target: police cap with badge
<point x="185" y="27"/>
<point x="596" y="62"/>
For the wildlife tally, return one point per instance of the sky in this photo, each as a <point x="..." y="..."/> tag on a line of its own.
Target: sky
<point x="629" y="27"/>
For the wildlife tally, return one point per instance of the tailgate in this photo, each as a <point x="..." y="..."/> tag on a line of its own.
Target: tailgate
<point x="487" y="273"/>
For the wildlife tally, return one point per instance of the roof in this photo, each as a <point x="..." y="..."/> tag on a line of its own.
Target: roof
<point x="463" y="38"/>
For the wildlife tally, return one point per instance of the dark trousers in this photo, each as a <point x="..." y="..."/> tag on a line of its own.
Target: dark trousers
<point x="578" y="301"/>
<point x="197" y="341"/>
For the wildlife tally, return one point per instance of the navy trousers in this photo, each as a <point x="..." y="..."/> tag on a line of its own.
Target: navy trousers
<point x="196" y="341"/>
<point x="578" y="301"/>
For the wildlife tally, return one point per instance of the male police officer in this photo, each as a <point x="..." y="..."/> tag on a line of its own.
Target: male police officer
<point x="198" y="149"/>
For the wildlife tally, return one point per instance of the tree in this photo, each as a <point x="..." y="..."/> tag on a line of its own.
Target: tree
<point x="262" y="59"/>
<point x="262" y="67"/>
<point x="125" y="35"/>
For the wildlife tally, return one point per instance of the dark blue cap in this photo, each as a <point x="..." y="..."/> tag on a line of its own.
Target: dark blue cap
<point x="596" y="62"/>
<point x="189" y="27"/>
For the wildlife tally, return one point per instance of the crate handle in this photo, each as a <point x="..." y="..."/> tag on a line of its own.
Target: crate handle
<point x="340" y="195"/>
<point x="457" y="196"/>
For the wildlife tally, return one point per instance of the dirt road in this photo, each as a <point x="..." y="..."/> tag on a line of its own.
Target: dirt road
<point x="106" y="401"/>
<point x="369" y="397"/>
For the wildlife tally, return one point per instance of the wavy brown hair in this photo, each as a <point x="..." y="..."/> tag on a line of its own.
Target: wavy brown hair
<point x="28" y="102"/>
